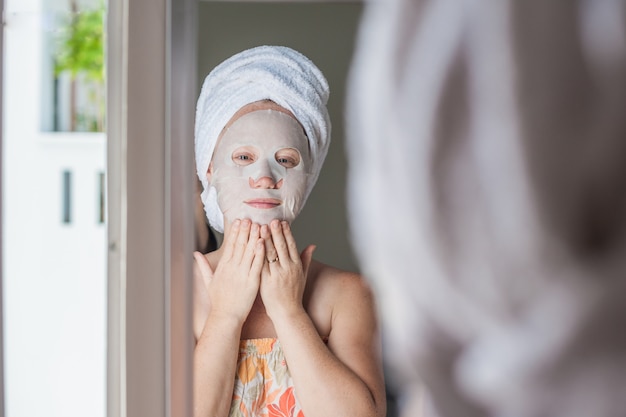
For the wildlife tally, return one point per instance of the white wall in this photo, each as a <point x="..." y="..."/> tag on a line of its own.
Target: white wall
<point x="54" y="273"/>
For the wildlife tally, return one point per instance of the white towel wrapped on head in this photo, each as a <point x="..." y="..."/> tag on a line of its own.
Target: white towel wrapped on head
<point x="276" y="73"/>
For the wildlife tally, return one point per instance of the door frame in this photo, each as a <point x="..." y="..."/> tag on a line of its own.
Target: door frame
<point x="151" y="93"/>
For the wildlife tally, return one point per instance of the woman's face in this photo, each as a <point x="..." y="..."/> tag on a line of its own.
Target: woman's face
<point x="261" y="167"/>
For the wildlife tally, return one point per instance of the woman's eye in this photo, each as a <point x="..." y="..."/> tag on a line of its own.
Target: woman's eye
<point x="243" y="158"/>
<point x="289" y="158"/>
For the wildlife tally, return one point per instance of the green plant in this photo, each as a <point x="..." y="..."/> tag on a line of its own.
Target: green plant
<point x="81" y="54"/>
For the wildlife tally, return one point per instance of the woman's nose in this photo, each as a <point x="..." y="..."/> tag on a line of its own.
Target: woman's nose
<point x="265" y="182"/>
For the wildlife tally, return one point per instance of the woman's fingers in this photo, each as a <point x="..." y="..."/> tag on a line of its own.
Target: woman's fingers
<point x="259" y="258"/>
<point x="253" y="239"/>
<point x="204" y="267"/>
<point x="306" y="257"/>
<point x="278" y="239"/>
<point x="242" y="239"/>
<point x="291" y="242"/>
<point x="231" y="239"/>
<point x="283" y="282"/>
<point x="270" y="251"/>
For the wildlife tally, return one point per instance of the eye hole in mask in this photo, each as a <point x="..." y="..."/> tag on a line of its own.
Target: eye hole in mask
<point x="286" y="157"/>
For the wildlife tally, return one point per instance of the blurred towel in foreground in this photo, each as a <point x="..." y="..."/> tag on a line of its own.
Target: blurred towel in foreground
<point x="487" y="196"/>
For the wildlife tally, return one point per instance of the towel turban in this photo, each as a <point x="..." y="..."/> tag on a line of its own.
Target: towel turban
<point x="275" y="73"/>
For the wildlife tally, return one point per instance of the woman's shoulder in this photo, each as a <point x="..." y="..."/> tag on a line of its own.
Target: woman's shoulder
<point x="341" y="303"/>
<point x="336" y="284"/>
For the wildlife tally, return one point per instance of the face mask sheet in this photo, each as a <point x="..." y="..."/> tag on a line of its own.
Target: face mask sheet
<point x="273" y="174"/>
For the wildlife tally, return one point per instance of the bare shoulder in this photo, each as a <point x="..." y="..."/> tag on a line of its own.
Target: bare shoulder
<point x="337" y="284"/>
<point x="336" y="296"/>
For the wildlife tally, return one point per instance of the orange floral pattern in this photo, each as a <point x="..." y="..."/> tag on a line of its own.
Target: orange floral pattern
<point x="263" y="385"/>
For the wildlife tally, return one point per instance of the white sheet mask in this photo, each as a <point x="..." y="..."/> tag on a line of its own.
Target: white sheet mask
<point x="261" y="168"/>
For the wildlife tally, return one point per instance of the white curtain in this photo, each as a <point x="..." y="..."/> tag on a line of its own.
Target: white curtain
<point x="487" y="200"/>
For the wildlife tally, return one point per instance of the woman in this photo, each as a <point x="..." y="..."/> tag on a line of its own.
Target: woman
<point x="277" y="333"/>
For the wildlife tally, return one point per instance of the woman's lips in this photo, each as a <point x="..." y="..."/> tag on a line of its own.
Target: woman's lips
<point x="263" y="203"/>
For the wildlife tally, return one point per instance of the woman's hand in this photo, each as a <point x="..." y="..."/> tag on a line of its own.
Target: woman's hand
<point x="283" y="276"/>
<point x="233" y="286"/>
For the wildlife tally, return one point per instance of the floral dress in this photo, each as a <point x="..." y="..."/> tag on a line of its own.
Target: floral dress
<point x="263" y="384"/>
